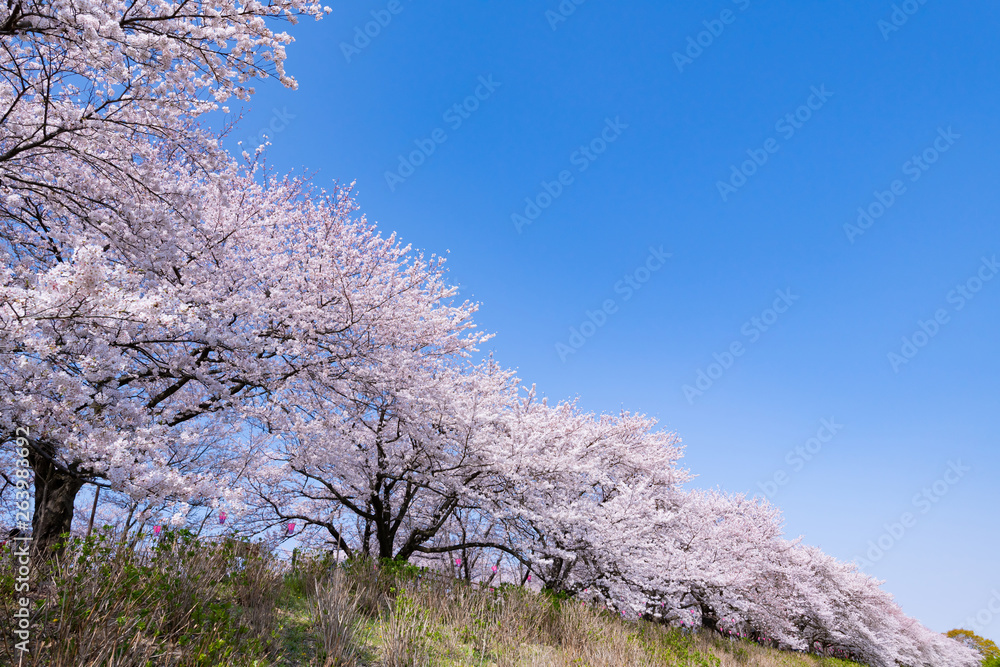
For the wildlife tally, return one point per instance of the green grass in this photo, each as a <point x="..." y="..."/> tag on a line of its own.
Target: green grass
<point x="206" y="604"/>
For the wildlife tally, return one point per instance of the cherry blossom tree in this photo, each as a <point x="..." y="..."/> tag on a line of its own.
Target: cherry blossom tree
<point x="572" y="488"/>
<point x="104" y="173"/>
<point x="126" y="377"/>
<point x="100" y="105"/>
<point x="720" y="561"/>
<point x="382" y="461"/>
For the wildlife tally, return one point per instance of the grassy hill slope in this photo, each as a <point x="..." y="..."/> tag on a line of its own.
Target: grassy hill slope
<point x="227" y="603"/>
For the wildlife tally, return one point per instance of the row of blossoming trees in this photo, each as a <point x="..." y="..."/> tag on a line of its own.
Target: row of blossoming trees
<point x="177" y="326"/>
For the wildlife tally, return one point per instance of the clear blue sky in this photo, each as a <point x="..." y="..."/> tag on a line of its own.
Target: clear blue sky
<point x="929" y="89"/>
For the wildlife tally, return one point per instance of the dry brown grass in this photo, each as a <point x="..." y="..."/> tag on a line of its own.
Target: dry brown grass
<point x="447" y="622"/>
<point x="748" y="654"/>
<point x="335" y="611"/>
<point x="229" y="604"/>
<point x="183" y="603"/>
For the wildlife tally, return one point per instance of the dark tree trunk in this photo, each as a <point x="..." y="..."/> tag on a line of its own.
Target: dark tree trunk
<point x="709" y="619"/>
<point x="555" y="577"/>
<point x="383" y="530"/>
<point x="55" y="495"/>
<point x="384" y="549"/>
